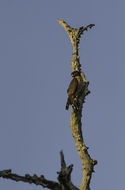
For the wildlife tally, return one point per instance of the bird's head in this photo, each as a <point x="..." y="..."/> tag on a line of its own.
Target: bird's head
<point x="75" y="73"/>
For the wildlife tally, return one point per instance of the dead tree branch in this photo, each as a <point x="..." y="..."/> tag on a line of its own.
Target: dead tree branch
<point x="30" y="179"/>
<point x="64" y="177"/>
<point x="75" y="121"/>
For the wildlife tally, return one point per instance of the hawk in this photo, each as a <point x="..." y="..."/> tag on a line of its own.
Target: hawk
<point x="74" y="89"/>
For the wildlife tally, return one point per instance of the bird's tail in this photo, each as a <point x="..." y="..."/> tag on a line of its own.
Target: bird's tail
<point x="67" y="105"/>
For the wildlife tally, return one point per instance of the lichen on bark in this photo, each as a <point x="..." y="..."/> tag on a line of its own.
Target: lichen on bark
<point x="64" y="175"/>
<point x="75" y="121"/>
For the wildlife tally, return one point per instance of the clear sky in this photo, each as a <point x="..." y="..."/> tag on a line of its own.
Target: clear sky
<point x="35" y="56"/>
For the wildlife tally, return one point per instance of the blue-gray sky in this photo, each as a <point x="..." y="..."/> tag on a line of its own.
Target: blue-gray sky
<point x="35" y="56"/>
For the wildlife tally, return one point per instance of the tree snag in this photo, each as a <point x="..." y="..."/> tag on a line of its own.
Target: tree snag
<point x="64" y="176"/>
<point x="75" y="121"/>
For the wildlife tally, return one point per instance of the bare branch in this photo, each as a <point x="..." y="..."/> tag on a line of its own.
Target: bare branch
<point x="64" y="176"/>
<point x="76" y="125"/>
<point x="30" y="179"/>
<point x="63" y="163"/>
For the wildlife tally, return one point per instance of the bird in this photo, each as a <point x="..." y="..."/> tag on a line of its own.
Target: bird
<point x="74" y="90"/>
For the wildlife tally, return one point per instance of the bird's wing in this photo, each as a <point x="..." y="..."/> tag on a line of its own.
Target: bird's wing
<point x="72" y="87"/>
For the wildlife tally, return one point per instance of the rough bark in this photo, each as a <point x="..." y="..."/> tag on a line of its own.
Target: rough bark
<point x="76" y="125"/>
<point x="30" y="179"/>
<point x="64" y="176"/>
